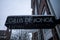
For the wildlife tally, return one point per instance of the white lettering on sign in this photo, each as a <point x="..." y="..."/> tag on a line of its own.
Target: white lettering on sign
<point x="11" y="20"/>
<point x="20" y="20"/>
<point x="30" y="20"/>
<point x="37" y="20"/>
<point x="48" y="20"/>
<point x="42" y="20"/>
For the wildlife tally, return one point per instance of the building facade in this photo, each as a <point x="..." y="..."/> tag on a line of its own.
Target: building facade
<point x="47" y="7"/>
<point x="5" y="34"/>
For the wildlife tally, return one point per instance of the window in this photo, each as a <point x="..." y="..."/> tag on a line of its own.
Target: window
<point x="35" y="8"/>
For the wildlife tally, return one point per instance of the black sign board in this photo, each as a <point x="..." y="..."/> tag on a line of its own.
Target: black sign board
<point x="30" y="22"/>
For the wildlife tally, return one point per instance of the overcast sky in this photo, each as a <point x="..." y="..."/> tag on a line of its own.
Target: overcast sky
<point x="13" y="7"/>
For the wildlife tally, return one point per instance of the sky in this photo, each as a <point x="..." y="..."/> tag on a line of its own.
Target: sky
<point x="13" y="7"/>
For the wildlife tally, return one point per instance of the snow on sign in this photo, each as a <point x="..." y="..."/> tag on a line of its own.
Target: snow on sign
<point x="30" y="22"/>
